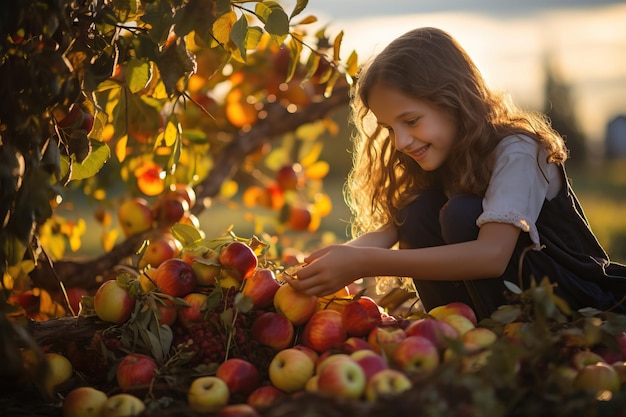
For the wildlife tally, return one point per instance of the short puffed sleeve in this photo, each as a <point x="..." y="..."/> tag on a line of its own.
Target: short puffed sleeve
<point x="522" y="180"/>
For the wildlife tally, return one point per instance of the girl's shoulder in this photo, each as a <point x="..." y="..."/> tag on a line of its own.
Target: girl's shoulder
<point x="518" y="144"/>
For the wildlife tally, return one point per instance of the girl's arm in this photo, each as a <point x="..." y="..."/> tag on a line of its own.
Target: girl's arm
<point x="334" y="267"/>
<point x="385" y="237"/>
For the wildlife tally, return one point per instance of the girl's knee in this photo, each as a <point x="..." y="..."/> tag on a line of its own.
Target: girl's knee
<point x="458" y="218"/>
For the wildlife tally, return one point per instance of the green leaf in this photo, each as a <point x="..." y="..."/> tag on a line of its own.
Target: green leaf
<point x="138" y="74"/>
<point x="239" y="34"/>
<point x="186" y="234"/>
<point x="300" y="6"/>
<point x="98" y="156"/>
<point x="243" y="302"/>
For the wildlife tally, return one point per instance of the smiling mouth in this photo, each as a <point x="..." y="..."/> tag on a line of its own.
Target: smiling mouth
<point x="419" y="152"/>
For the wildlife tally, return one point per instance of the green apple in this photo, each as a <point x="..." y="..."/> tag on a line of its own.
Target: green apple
<point x="84" y="402"/>
<point x="290" y="369"/>
<point x="386" y="383"/>
<point x="207" y="394"/>
<point x="123" y="405"/>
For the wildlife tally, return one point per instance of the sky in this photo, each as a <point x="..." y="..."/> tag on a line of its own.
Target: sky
<point x="508" y="40"/>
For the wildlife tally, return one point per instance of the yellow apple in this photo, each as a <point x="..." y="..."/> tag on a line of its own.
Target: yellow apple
<point x="135" y="216"/>
<point x="290" y="369"/>
<point x="207" y="394"/>
<point x="84" y="402"/>
<point x="60" y="369"/>
<point x="386" y="382"/>
<point x="123" y="405"/>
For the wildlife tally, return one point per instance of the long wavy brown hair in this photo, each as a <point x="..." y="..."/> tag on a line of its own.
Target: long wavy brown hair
<point x="428" y="64"/>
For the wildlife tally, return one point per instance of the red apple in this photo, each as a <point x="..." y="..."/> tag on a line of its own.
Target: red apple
<point x="416" y="354"/>
<point x="342" y="377"/>
<point x="621" y="340"/>
<point x="598" y="377"/>
<point x="193" y="313"/>
<point x="290" y="369"/>
<point x="169" y="210"/>
<point x="239" y="259"/>
<point x="354" y="344"/>
<point x="460" y="323"/>
<point x="261" y="287"/>
<point x="297" y="306"/>
<point x="237" y="410"/>
<point x="182" y="190"/>
<point x="135" y="370"/>
<point x="455" y="307"/>
<point x="265" y="397"/>
<point x="163" y="247"/>
<point x="113" y="303"/>
<point x="167" y="311"/>
<point x="386" y="339"/>
<point x="135" y="216"/>
<point x="175" y="277"/>
<point x="273" y="330"/>
<point x="370" y="361"/>
<point x="478" y="338"/>
<point x="205" y="264"/>
<point x="324" y="331"/>
<point x="437" y="331"/>
<point x="241" y="376"/>
<point x="287" y="176"/>
<point x="360" y="316"/>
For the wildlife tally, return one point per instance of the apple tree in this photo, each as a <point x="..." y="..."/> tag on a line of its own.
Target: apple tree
<point x="131" y="98"/>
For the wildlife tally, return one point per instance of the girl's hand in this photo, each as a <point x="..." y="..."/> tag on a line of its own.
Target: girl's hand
<point x="328" y="270"/>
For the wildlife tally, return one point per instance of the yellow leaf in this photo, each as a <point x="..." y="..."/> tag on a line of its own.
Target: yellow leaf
<point x="109" y="238"/>
<point x="223" y="25"/>
<point x="310" y="131"/>
<point x="310" y="154"/>
<point x="318" y="170"/>
<point x="56" y="246"/>
<point x="120" y="148"/>
<point x="229" y="189"/>
<point x="7" y="281"/>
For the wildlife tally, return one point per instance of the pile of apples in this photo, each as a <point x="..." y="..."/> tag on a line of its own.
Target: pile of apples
<point x="342" y="346"/>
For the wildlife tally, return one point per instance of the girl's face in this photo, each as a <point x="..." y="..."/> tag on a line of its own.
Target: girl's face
<point x="417" y="128"/>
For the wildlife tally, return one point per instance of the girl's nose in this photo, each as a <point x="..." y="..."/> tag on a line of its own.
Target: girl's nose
<point x="401" y="140"/>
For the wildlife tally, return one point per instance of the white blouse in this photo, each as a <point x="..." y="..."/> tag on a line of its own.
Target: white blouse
<point x="521" y="181"/>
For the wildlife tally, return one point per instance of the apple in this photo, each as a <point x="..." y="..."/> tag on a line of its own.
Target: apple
<point x="240" y="375"/>
<point x="287" y="176"/>
<point x="290" y="369"/>
<point x="167" y="311"/>
<point x="387" y="382"/>
<point x="146" y="279"/>
<point x="297" y="306"/>
<point x="620" y="368"/>
<point x="265" y="397"/>
<point x="455" y="307"/>
<point x="342" y="377"/>
<point x="169" y="209"/>
<point x="261" y="287"/>
<point x="135" y="370"/>
<point x="296" y="217"/>
<point x="123" y="405"/>
<point x="478" y="337"/>
<point x="112" y="302"/>
<point x="135" y="216"/>
<point x="193" y="313"/>
<point x="84" y="402"/>
<point x="437" y="331"/>
<point x="237" y="410"/>
<point x="416" y="354"/>
<point x="312" y="385"/>
<point x="370" y="361"/>
<point x="324" y="331"/>
<point x="385" y="340"/>
<point x="75" y="296"/>
<point x="460" y="323"/>
<point x="312" y="354"/>
<point x="354" y="344"/>
<point x="175" y="277"/>
<point x="182" y="190"/>
<point x="621" y="341"/>
<point x="598" y="377"/>
<point x="205" y="264"/>
<point x="360" y="316"/>
<point x="160" y="249"/>
<point x="585" y="357"/>
<point x="59" y="370"/>
<point x="207" y="394"/>
<point x="273" y="330"/>
<point x="239" y="259"/>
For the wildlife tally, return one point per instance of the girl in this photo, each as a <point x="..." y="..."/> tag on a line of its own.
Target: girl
<point x="465" y="184"/>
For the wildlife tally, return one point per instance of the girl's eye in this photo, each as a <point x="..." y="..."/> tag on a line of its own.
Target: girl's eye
<point x="412" y="122"/>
